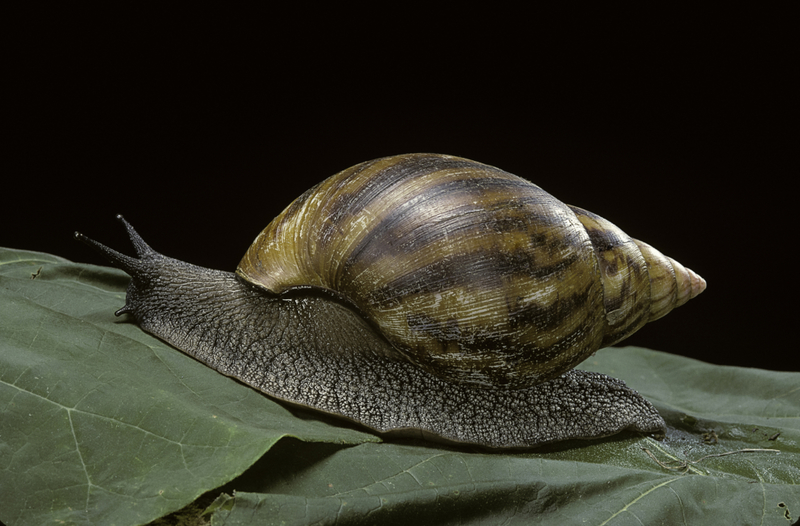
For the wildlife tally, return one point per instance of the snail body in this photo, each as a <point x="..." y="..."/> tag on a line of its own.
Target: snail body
<point x="424" y="293"/>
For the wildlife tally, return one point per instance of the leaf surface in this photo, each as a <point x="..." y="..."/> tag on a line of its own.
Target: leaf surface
<point x="100" y="423"/>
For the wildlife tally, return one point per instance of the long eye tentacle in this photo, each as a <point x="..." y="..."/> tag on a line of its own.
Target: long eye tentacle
<point x="135" y="266"/>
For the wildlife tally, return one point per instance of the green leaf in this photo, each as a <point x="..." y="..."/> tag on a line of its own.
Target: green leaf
<point x="101" y="423"/>
<point x="607" y="483"/>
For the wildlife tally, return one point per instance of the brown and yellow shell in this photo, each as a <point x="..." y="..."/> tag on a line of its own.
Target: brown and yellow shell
<point x="473" y="273"/>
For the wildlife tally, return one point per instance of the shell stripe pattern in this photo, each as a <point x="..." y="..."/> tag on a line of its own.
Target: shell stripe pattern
<point x="473" y="273"/>
<point x="624" y="274"/>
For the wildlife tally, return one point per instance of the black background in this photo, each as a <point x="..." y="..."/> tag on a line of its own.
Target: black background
<point x="200" y="127"/>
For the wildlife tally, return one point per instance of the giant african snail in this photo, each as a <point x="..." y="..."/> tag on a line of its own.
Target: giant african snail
<point x="424" y="293"/>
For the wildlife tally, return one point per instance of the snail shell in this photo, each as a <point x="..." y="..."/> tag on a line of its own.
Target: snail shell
<point x="474" y="274"/>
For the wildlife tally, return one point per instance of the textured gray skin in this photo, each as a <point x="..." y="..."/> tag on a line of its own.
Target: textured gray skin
<point x="310" y="349"/>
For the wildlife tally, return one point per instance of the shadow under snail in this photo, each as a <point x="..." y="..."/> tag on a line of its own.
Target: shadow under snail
<point x="423" y="293"/>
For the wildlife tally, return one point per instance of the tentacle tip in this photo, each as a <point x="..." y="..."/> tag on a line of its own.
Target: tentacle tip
<point x="78" y="236"/>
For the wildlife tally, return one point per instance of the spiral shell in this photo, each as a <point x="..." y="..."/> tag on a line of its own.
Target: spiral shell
<point x="474" y="274"/>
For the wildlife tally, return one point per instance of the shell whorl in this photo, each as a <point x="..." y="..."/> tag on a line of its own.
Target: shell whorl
<point x="640" y="283"/>
<point x="473" y="273"/>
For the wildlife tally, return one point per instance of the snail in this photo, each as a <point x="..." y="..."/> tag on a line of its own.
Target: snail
<point x="423" y="294"/>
